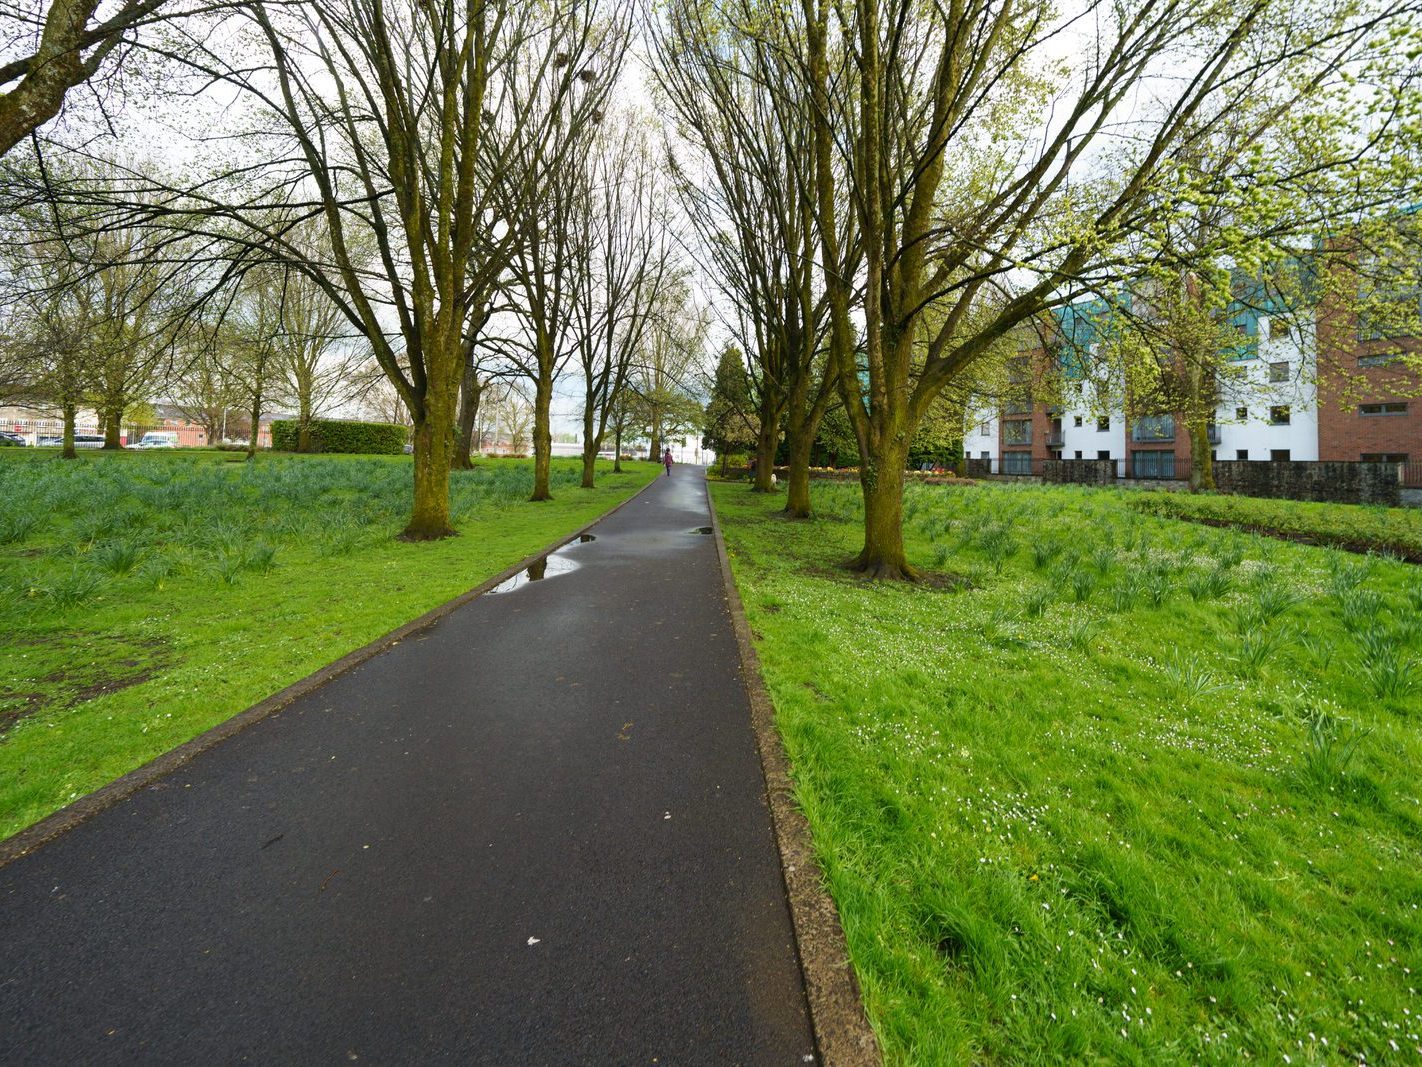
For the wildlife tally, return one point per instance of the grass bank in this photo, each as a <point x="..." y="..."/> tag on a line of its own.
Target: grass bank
<point x="1355" y="527"/>
<point x="1136" y="791"/>
<point x="145" y="598"/>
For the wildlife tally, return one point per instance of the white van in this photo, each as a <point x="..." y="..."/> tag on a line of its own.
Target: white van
<point x="159" y="439"/>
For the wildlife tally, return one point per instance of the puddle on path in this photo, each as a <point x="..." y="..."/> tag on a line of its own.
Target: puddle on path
<point x="549" y="566"/>
<point x="702" y="530"/>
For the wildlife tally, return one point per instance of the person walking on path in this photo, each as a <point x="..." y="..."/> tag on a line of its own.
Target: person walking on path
<point x="667" y="461"/>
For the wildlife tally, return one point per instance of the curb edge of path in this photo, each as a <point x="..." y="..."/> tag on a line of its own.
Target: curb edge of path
<point x="843" y="1036"/>
<point x="60" y="822"/>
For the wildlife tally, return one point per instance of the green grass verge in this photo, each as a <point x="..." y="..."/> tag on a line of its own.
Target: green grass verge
<point x="1354" y="526"/>
<point x="1141" y="792"/>
<point x="146" y="598"/>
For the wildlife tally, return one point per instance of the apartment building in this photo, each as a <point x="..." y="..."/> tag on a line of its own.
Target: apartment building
<point x="1296" y="388"/>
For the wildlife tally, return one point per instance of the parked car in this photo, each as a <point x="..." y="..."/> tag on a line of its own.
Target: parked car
<point x="11" y="440"/>
<point x="81" y="440"/>
<point x="158" y="439"/>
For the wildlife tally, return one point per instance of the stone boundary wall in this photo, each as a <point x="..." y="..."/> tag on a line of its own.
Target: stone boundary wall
<point x="1341" y="482"/>
<point x="1079" y="471"/>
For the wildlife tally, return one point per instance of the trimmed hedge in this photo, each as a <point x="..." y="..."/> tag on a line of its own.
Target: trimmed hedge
<point x="332" y="435"/>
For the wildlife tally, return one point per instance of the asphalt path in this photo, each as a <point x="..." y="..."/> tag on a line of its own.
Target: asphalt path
<point x="534" y="833"/>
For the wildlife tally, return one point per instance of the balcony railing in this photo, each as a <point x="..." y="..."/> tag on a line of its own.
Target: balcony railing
<point x="1055" y="438"/>
<point x="1155" y="428"/>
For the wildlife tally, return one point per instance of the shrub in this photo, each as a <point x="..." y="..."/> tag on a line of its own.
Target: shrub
<point x="331" y="435"/>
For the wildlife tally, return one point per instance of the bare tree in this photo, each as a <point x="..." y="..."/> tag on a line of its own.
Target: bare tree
<point x="395" y="125"/>
<point x="547" y="250"/>
<point x="624" y="263"/>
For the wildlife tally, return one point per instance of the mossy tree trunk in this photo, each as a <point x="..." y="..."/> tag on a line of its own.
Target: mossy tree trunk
<point x="590" y="443"/>
<point x="801" y="442"/>
<point x="542" y="434"/>
<point x="471" y="391"/>
<point x="1202" y="461"/>
<point x="434" y="446"/>
<point x="882" y="483"/>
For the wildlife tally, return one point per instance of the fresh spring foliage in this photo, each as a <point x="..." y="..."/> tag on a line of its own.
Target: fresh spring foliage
<point x="145" y="598"/>
<point x="1145" y="793"/>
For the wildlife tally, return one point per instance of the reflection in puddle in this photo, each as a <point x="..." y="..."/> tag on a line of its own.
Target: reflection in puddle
<point x="585" y="538"/>
<point x="545" y="567"/>
<point x="702" y="530"/>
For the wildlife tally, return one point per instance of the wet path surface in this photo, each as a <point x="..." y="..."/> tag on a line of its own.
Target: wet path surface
<point x="535" y="833"/>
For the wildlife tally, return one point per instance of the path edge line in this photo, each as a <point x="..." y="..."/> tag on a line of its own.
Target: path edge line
<point x="60" y="822"/>
<point x="843" y="1036"/>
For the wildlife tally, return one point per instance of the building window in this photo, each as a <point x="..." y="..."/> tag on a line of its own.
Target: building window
<point x="1017" y="463"/>
<point x="1242" y="414"/>
<point x="1279" y="372"/>
<point x="1384" y="457"/>
<point x="1103" y="424"/>
<point x="1154" y="428"/>
<point x="1280" y="331"/>
<point x="1378" y="361"/>
<point x="1017" y="432"/>
<point x="984" y="455"/>
<point x="1279" y="415"/>
<point x="1279" y="455"/>
<point x="1157" y="464"/>
<point x="1104" y="453"/>
<point x="1078" y="421"/>
<point x="1241" y="453"/>
<point x="1078" y="453"/>
<point x="983" y="429"/>
<point x="1396" y="408"/>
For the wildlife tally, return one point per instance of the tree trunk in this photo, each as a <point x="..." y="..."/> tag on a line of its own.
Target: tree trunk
<point x="470" y="392"/>
<point x="882" y="482"/>
<point x="617" y="450"/>
<point x="797" y="481"/>
<point x="542" y="437"/>
<point x="590" y="443"/>
<point x="1202" y="463"/>
<point x="765" y="444"/>
<point x="303" y="419"/>
<point x="113" y="428"/>
<point x="256" y="414"/>
<point x="434" y="443"/>
<point x="71" y="412"/>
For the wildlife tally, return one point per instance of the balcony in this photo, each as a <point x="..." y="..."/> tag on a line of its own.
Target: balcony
<point x="1055" y="438"/>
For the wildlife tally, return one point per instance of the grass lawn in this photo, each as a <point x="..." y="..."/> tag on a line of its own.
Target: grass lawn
<point x="146" y="597"/>
<point x="1139" y="791"/>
